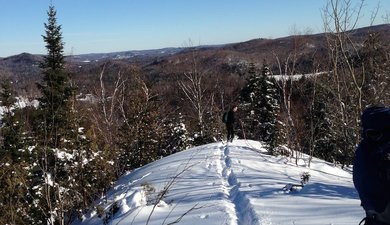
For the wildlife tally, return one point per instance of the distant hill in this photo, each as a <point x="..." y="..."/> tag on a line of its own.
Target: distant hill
<point x="226" y="59"/>
<point x="124" y="55"/>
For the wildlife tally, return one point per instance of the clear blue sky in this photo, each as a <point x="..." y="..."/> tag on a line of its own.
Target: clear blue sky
<point x="96" y="26"/>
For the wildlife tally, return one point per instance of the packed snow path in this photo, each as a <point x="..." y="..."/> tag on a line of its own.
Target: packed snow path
<point x="230" y="184"/>
<point x="243" y="211"/>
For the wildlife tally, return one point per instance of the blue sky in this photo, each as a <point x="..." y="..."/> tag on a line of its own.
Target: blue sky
<point x="95" y="26"/>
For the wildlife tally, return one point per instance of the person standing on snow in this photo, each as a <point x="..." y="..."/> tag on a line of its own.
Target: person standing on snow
<point x="229" y="121"/>
<point x="371" y="169"/>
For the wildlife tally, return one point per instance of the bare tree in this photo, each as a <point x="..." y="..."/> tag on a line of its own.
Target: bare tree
<point x="339" y="18"/>
<point x="195" y="91"/>
<point x="348" y="72"/>
<point x="105" y="115"/>
<point x="287" y="67"/>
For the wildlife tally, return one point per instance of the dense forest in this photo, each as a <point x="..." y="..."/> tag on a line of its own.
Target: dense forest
<point x="94" y="123"/>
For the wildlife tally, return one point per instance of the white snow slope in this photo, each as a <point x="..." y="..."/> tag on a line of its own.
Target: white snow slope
<point x="233" y="184"/>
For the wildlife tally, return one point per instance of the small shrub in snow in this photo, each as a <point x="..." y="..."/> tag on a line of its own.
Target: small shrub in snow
<point x="106" y="216"/>
<point x="282" y="150"/>
<point x="292" y="188"/>
<point x="305" y="176"/>
<point x="149" y="190"/>
<point x="100" y="211"/>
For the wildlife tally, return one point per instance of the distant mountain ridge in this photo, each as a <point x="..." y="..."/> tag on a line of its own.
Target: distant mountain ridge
<point x="217" y="59"/>
<point x="125" y="54"/>
<point x="173" y="50"/>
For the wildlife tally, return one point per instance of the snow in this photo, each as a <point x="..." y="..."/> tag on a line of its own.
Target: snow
<point x="21" y="102"/>
<point x="233" y="184"/>
<point x="297" y="76"/>
<point x="62" y="155"/>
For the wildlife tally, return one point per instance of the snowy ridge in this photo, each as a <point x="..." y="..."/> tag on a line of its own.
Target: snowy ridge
<point x="232" y="184"/>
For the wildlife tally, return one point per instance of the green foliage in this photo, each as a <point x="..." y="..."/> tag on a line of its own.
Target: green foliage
<point x="14" y="202"/>
<point x="13" y="140"/>
<point x="139" y="137"/>
<point x="259" y="107"/>
<point x="175" y="136"/>
<point x="7" y="94"/>
<point x="62" y="176"/>
<point x="55" y="89"/>
<point x="319" y="139"/>
<point x="211" y="128"/>
<point x="14" y="162"/>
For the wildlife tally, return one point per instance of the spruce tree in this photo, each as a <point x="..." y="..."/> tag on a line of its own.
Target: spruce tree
<point x="248" y="96"/>
<point x="140" y="140"/>
<point x="7" y="94"/>
<point x="13" y="162"/>
<point x="269" y="108"/>
<point x="139" y="137"/>
<point x="11" y="125"/>
<point x="260" y="106"/>
<point x="56" y="92"/>
<point x="67" y="175"/>
<point x="54" y="131"/>
<point x="176" y="137"/>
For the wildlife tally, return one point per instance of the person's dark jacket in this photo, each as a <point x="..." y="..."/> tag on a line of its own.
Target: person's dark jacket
<point x="371" y="168"/>
<point x="230" y="117"/>
<point x="374" y="193"/>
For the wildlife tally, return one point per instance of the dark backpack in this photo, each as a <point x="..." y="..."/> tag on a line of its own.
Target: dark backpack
<point x="225" y="117"/>
<point x="376" y="133"/>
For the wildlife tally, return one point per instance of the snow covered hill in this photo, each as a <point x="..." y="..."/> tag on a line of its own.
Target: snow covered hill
<point x="234" y="184"/>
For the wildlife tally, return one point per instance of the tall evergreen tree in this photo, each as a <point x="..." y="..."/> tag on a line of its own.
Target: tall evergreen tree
<point x="248" y="97"/>
<point x="56" y="92"/>
<point x="269" y="108"/>
<point x="259" y="100"/>
<point x="65" y="177"/>
<point x="318" y="138"/>
<point x="55" y="131"/>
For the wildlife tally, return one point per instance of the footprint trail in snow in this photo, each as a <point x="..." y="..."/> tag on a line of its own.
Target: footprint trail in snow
<point x="239" y="208"/>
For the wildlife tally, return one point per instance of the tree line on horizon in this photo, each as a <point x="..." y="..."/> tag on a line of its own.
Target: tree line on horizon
<point x="59" y="157"/>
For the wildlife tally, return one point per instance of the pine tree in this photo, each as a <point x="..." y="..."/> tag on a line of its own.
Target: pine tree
<point x="68" y="171"/>
<point x="7" y="94"/>
<point x="139" y="138"/>
<point x="248" y="96"/>
<point x="54" y="130"/>
<point x="11" y="124"/>
<point x="269" y="108"/>
<point x="176" y="137"/>
<point x="260" y="105"/>
<point x="56" y="92"/>
<point x="13" y="162"/>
